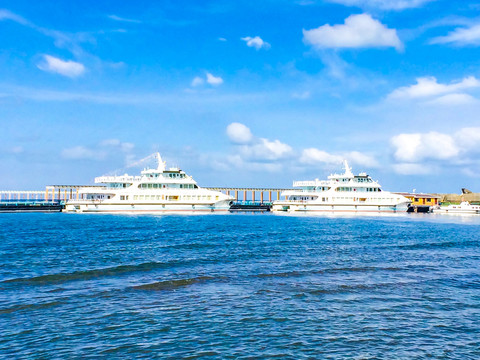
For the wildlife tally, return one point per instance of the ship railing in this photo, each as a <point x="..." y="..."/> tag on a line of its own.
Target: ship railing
<point x="107" y="179"/>
<point x="311" y="183"/>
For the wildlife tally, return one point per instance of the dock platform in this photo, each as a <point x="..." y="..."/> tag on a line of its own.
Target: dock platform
<point x="30" y="206"/>
<point x="250" y="206"/>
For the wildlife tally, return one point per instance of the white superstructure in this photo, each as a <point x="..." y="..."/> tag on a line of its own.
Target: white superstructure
<point x="155" y="190"/>
<point x="340" y="193"/>
<point x="464" y="208"/>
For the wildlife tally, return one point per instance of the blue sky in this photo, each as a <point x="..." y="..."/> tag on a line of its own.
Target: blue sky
<point x="242" y="93"/>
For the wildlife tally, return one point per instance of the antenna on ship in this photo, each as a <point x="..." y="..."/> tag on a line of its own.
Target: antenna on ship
<point x="348" y="169"/>
<point x="160" y="163"/>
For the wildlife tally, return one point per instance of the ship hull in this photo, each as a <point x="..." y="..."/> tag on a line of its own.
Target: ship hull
<point x="89" y="207"/>
<point x="288" y="207"/>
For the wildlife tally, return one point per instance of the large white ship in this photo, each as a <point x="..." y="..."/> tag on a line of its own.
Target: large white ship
<point x="155" y="190"/>
<point x="340" y="193"/>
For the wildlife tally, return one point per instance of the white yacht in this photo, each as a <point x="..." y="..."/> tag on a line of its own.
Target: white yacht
<point x="340" y="193"/>
<point x="155" y="190"/>
<point x="464" y="208"/>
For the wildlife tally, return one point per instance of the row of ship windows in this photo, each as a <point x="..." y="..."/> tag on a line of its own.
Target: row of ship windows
<point x="335" y="198"/>
<point x="172" y="175"/>
<point x="341" y="188"/>
<point x="163" y="186"/>
<point x="360" y="180"/>
<point x="169" y="197"/>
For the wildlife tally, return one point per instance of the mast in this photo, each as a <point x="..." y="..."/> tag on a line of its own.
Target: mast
<point x="348" y="170"/>
<point x="160" y="163"/>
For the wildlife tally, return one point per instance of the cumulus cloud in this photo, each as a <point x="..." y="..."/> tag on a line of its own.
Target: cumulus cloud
<point x="428" y="87"/>
<point x="383" y="4"/>
<point x="68" y="68"/>
<point x="358" y="31"/>
<point x="256" y="149"/>
<point x="239" y="133"/>
<point x="197" y="81"/>
<point x="82" y="153"/>
<point x="417" y="147"/>
<point x="115" y="143"/>
<point x="413" y="169"/>
<point x="264" y="149"/>
<point x="315" y="156"/>
<point x="104" y="149"/>
<point x="208" y="79"/>
<point x="256" y="42"/>
<point x="418" y="150"/>
<point x="274" y="155"/>
<point x="214" y="80"/>
<point x="453" y="100"/>
<point x="460" y="37"/>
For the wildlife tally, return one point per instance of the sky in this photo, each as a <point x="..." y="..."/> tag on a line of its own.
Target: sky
<point x="241" y="93"/>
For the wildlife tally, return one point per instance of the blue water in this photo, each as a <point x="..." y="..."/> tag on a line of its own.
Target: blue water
<point x="239" y="286"/>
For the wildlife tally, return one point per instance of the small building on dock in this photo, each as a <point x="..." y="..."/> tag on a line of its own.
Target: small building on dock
<point x="421" y="202"/>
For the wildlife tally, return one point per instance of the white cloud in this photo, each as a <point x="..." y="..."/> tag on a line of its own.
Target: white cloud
<point x="356" y="157"/>
<point x="358" y="31"/>
<point x="469" y="138"/>
<point x="316" y="156"/>
<point x="209" y="79"/>
<point x="214" y="80"/>
<point x="302" y="95"/>
<point x="122" y="19"/>
<point x="426" y="153"/>
<point x="66" y="68"/>
<point x="104" y="149"/>
<point x="417" y="147"/>
<point x="383" y="4"/>
<point x="460" y="37"/>
<point x="412" y="169"/>
<point x="418" y="151"/>
<point x="115" y="143"/>
<point x="239" y="133"/>
<point x="197" y="81"/>
<point x="428" y="86"/>
<point x="264" y="149"/>
<point x="453" y="99"/>
<point x="81" y="153"/>
<point x="253" y="148"/>
<point x="8" y="15"/>
<point x="222" y="39"/>
<point x="256" y="42"/>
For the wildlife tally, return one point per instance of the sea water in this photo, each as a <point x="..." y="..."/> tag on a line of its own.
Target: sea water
<point x="239" y="286"/>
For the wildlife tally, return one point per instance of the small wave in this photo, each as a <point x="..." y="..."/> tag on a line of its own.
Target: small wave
<point x="354" y="288"/>
<point x="439" y="245"/>
<point x="95" y="273"/>
<point x="297" y="273"/>
<point x="29" y="307"/>
<point x="174" y="284"/>
<point x="280" y="275"/>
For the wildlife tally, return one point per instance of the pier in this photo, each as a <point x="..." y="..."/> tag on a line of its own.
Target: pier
<point x="260" y="199"/>
<point x="27" y="201"/>
<point x="54" y="197"/>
